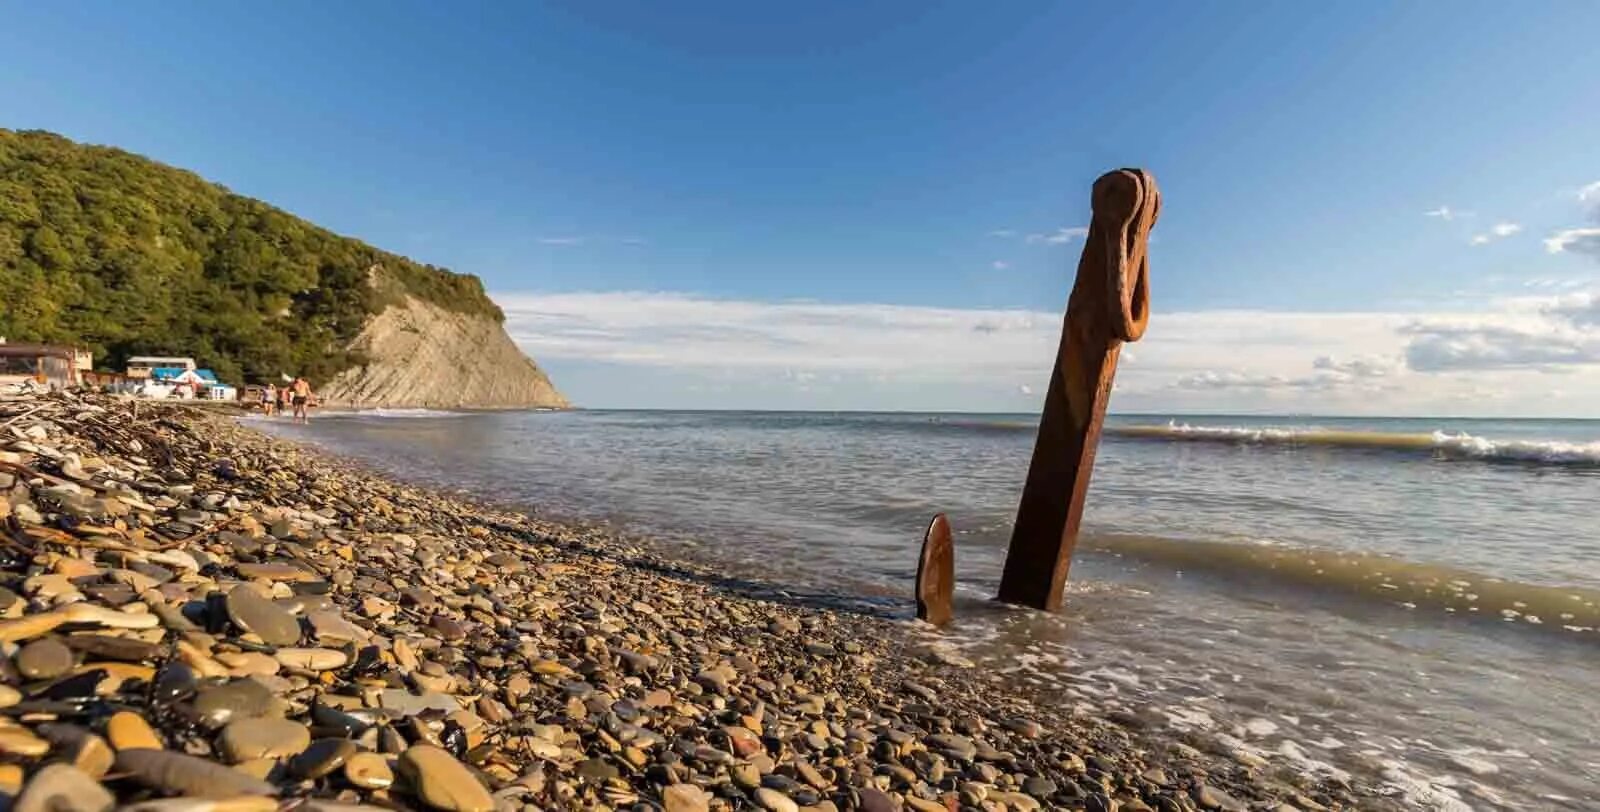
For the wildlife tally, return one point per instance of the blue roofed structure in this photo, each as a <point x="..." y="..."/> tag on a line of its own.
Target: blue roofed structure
<point x="184" y="375"/>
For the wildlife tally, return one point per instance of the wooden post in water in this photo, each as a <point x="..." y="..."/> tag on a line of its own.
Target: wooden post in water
<point x="936" y="573"/>
<point x="1110" y="304"/>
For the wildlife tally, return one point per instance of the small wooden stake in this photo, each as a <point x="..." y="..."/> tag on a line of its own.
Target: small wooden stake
<point x="936" y="573"/>
<point x="1110" y="304"/>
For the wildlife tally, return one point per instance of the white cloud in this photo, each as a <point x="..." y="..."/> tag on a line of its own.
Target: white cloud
<point x="1368" y="367"/>
<point x="1003" y="233"/>
<point x="1024" y="389"/>
<point x="1327" y="374"/>
<point x="676" y="330"/>
<point x="1442" y="346"/>
<point x="1583" y="240"/>
<point x="1498" y="231"/>
<point x="1582" y="309"/>
<point x="1234" y="379"/>
<point x="1060" y="235"/>
<point x="1443" y="213"/>
<point x="927" y="357"/>
<point x="561" y="240"/>
<point x="1575" y="241"/>
<point x="1590" y="194"/>
<point x="999" y="265"/>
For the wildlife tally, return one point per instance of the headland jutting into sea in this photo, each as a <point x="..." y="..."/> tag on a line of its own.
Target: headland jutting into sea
<point x="197" y="611"/>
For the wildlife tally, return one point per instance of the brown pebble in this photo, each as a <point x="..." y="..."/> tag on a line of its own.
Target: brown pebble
<point x="20" y="741"/>
<point x="368" y="771"/>
<point x="250" y="611"/>
<point x="685" y="798"/>
<point x="129" y="731"/>
<point x="63" y="788"/>
<point x="10" y="780"/>
<point x="77" y="745"/>
<point x="247" y="739"/>
<point x="24" y="628"/>
<point x="46" y="658"/>
<point x="322" y="757"/>
<point x="442" y="782"/>
<point x="311" y="659"/>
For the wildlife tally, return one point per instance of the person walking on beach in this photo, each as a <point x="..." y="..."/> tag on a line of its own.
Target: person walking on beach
<point x="269" y="399"/>
<point x="300" y="396"/>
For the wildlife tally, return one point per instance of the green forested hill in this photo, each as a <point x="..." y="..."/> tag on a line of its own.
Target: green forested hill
<point x="111" y="250"/>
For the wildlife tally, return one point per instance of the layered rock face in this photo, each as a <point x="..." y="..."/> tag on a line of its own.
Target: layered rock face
<point x="422" y="356"/>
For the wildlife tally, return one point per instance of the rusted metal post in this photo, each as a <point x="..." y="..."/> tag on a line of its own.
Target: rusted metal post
<point x="936" y="572"/>
<point x="1110" y="304"/>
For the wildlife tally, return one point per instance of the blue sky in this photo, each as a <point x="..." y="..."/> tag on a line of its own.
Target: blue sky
<point x="651" y="189"/>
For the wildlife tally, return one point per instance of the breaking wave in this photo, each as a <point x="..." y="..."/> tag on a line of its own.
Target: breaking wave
<point x="1442" y="444"/>
<point x="398" y="414"/>
<point x="1395" y="581"/>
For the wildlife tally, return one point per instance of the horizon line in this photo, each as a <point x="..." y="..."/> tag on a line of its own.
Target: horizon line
<point x="1298" y="415"/>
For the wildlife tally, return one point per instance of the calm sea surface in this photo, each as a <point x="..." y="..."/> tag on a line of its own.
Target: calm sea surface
<point x="1407" y="603"/>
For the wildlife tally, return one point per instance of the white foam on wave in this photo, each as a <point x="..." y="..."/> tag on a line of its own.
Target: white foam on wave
<point x="1548" y="451"/>
<point x="1452" y="445"/>
<point x="1243" y="434"/>
<point x="395" y="414"/>
<point x="1422" y="791"/>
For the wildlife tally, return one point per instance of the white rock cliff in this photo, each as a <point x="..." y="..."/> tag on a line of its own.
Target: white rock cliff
<point x="421" y="355"/>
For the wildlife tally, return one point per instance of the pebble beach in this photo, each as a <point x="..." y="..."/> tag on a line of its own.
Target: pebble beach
<point x="196" y="617"/>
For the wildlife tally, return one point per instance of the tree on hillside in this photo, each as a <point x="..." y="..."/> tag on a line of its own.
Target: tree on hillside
<point x="127" y="256"/>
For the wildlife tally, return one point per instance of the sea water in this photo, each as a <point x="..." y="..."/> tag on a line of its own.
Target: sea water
<point x="1406" y="604"/>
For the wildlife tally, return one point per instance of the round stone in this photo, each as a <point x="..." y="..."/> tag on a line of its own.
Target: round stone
<point x="873" y="799"/>
<point x="174" y="681"/>
<point x="368" y="771"/>
<point x="311" y="659"/>
<point x="20" y="741"/>
<point x="129" y="731"/>
<point x="330" y="626"/>
<point x="245" y="663"/>
<point x="241" y="698"/>
<point x="685" y="798"/>
<point x="63" y="788"/>
<point x="322" y="757"/>
<point x="442" y="782"/>
<point x="274" y="572"/>
<point x="250" y="611"/>
<point x="775" y="801"/>
<point x="247" y="739"/>
<point x="45" y="658"/>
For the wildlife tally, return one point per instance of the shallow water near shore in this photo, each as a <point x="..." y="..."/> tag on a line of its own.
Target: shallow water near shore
<point x="1409" y="603"/>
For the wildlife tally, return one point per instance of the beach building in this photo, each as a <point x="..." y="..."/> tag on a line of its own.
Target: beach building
<point x="186" y="382"/>
<point x="141" y="366"/>
<point x="54" y="365"/>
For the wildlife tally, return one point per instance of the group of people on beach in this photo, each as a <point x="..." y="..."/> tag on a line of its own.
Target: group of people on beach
<point x="296" y="399"/>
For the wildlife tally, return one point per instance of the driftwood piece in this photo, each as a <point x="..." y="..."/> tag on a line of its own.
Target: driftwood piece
<point x="1110" y="304"/>
<point x="936" y="573"/>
